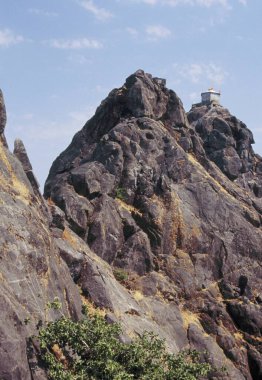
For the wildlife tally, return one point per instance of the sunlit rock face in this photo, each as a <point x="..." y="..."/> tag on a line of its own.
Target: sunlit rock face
<point x="173" y="200"/>
<point x="154" y="216"/>
<point x="32" y="272"/>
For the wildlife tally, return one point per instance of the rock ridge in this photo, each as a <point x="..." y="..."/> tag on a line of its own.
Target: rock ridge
<point x="173" y="200"/>
<point x="152" y="215"/>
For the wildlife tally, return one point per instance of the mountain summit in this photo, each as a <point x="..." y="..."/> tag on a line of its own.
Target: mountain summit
<point x="175" y="201"/>
<point x="157" y="215"/>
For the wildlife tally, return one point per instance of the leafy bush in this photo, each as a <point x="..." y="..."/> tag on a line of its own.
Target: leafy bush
<point x="120" y="274"/>
<point x="91" y="349"/>
<point x="120" y="193"/>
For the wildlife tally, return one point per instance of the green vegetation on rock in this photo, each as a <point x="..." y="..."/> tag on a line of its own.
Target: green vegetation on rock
<point x="91" y="349"/>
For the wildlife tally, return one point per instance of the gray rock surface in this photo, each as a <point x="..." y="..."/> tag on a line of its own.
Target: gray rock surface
<point x="154" y="215"/>
<point x="21" y="154"/>
<point x="32" y="272"/>
<point x="173" y="200"/>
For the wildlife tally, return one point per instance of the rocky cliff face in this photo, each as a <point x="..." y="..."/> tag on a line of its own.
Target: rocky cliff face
<point x="174" y="201"/>
<point x="32" y="272"/>
<point x="158" y="221"/>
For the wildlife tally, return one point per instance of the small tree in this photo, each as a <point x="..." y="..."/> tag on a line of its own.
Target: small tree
<point x="91" y="349"/>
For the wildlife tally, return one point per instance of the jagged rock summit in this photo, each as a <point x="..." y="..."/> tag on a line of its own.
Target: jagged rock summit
<point x="174" y="200"/>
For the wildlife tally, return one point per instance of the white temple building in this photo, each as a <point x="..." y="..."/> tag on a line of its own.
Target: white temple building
<point x="210" y="96"/>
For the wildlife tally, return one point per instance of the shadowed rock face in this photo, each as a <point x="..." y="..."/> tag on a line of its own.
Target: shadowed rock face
<point x="228" y="143"/>
<point x="2" y="119"/>
<point x="175" y="201"/>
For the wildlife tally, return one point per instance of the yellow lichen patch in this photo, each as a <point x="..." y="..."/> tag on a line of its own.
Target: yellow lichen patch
<point x="238" y="335"/>
<point x="70" y="238"/>
<point x="138" y="296"/>
<point x="207" y="175"/>
<point x="195" y="230"/>
<point x="161" y="296"/>
<point x="189" y="317"/>
<point x="12" y="184"/>
<point x="128" y="207"/>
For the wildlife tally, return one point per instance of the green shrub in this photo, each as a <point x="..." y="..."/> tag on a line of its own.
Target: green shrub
<point x="91" y="349"/>
<point x="120" y="274"/>
<point x="120" y="193"/>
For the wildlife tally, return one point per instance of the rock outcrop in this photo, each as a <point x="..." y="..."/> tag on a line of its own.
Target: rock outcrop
<point x="2" y="119"/>
<point x="172" y="202"/>
<point x="154" y="214"/>
<point x="228" y="143"/>
<point x="32" y="272"/>
<point x="21" y="154"/>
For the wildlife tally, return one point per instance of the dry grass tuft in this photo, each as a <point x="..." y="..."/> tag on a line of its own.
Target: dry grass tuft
<point x="190" y="317"/>
<point x="92" y="309"/>
<point x="138" y="296"/>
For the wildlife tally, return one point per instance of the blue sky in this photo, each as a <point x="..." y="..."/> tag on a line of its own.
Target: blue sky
<point x="60" y="58"/>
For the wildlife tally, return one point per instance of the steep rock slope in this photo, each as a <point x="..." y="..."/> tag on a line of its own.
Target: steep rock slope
<point x="228" y="142"/>
<point x="175" y="203"/>
<point x="32" y="273"/>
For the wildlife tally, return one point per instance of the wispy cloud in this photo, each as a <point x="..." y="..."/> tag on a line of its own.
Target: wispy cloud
<point x="8" y="38"/>
<point x="156" y="32"/>
<point x="199" y="72"/>
<point x="101" y="14"/>
<point x="203" y="3"/>
<point x="41" y="12"/>
<point x="28" y="125"/>
<point x="75" y="44"/>
<point x="132" y="31"/>
<point x="243" y="2"/>
<point x="79" y="59"/>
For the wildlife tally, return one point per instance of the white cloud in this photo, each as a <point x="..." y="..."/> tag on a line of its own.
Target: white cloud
<point x="199" y="73"/>
<point x="41" y="12"/>
<point x="79" y="59"/>
<point x="156" y="32"/>
<point x="75" y="44"/>
<point x="8" y="38"/>
<point x="132" y="31"/>
<point x="203" y="3"/>
<point x="35" y="128"/>
<point x="100" y="13"/>
<point x="243" y="2"/>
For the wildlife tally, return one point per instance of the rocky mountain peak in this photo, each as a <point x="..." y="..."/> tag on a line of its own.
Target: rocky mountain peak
<point x="169" y="199"/>
<point x="228" y="143"/>
<point x="157" y="217"/>
<point x="145" y="96"/>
